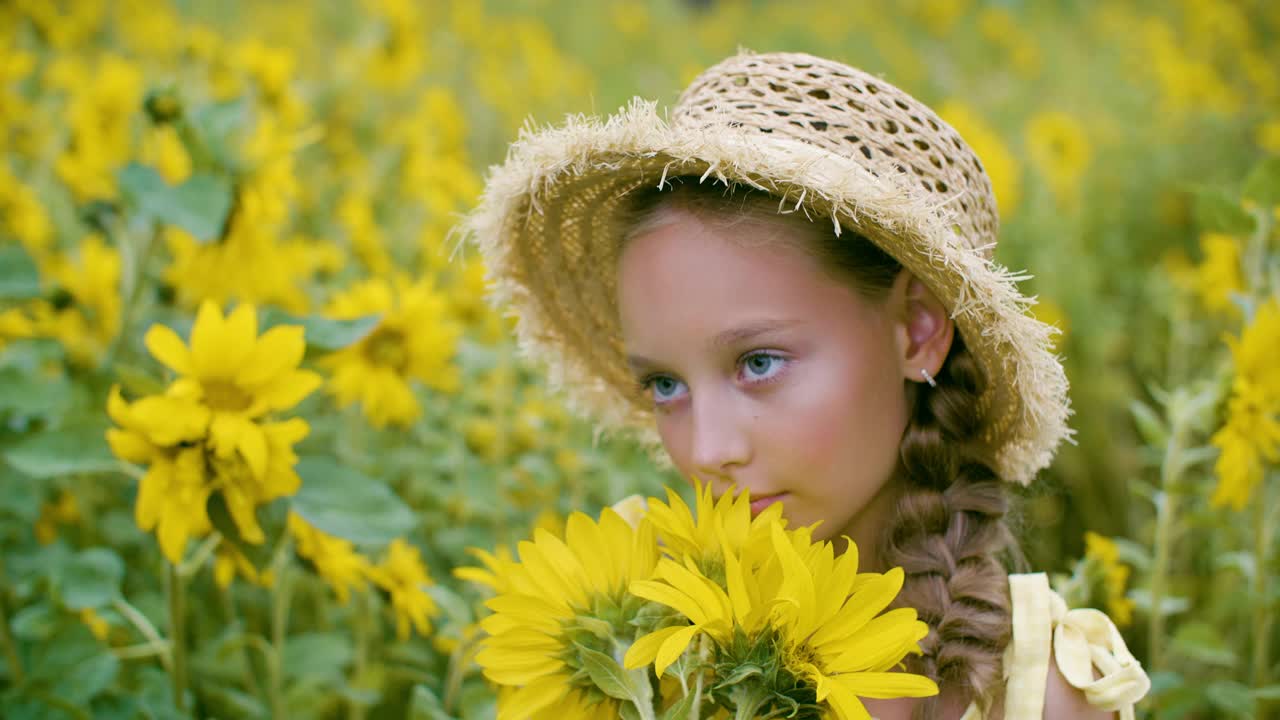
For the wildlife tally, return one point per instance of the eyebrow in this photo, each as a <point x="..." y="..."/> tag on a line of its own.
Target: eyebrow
<point x="726" y="338"/>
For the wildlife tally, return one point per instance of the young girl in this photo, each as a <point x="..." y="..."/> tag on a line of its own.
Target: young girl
<point x="790" y="285"/>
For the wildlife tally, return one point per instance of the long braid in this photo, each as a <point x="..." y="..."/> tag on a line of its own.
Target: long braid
<point x="949" y="535"/>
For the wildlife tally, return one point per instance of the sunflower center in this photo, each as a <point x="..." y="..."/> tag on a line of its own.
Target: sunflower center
<point x="386" y="347"/>
<point x="224" y="395"/>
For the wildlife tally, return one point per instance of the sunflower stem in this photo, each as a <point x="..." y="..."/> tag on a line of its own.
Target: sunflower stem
<point x="355" y="709"/>
<point x="177" y="589"/>
<point x="704" y="650"/>
<point x="1166" y="510"/>
<point x="1262" y="617"/>
<point x="135" y="262"/>
<point x="748" y="701"/>
<point x="248" y="679"/>
<point x="16" y="673"/>
<point x="458" y="661"/>
<point x="279" y="622"/>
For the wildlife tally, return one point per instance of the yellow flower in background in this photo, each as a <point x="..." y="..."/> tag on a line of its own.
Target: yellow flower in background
<point x="23" y="215"/>
<point x="1268" y="136"/>
<point x="87" y="322"/>
<point x="355" y="216"/>
<point x="497" y="571"/>
<point x="97" y="624"/>
<point x="100" y="114"/>
<point x="249" y="265"/>
<point x="1104" y="552"/>
<point x="163" y="150"/>
<point x="240" y="377"/>
<point x="400" y="55"/>
<point x="937" y="16"/>
<point x="14" y="325"/>
<point x="335" y="560"/>
<point x="228" y="562"/>
<point x="149" y="29"/>
<point x="1051" y="313"/>
<point x="404" y="577"/>
<point x="1059" y="148"/>
<point x="557" y="586"/>
<point x="1001" y="166"/>
<point x="1000" y="28"/>
<point x="1217" y="278"/>
<point x="1251" y="435"/>
<point x="415" y="340"/>
<point x="208" y="433"/>
<point x="166" y="434"/>
<point x="63" y="510"/>
<point x="64" y="25"/>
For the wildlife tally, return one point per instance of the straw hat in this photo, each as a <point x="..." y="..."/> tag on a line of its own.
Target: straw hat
<point x="818" y="134"/>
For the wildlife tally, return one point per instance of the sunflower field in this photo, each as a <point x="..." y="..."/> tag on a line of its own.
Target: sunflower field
<point x="260" y="431"/>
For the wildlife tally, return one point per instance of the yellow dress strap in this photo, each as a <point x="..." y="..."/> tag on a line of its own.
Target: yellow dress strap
<point x="1090" y="652"/>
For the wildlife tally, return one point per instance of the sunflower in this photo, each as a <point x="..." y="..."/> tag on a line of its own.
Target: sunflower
<point x="1251" y="434"/>
<point x="334" y="559"/>
<point x="404" y="577"/>
<point x="559" y="616"/>
<point x="414" y="340"/>
<point x="1059" y="148"/>
<point x="208" y="433"/>
<point x="686" y="533"/>
<point x="800" y="629"/>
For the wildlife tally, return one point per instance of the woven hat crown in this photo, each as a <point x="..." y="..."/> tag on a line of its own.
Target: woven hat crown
<point x="855" y="115"/>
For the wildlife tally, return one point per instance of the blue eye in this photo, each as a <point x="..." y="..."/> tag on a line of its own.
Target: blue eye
<point x="664" y="388"/>
<point x="762" y="366"/>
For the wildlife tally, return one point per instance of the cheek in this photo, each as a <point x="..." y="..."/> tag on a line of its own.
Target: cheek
<point x="842" y="426"/>
<point x="675" y="440"/>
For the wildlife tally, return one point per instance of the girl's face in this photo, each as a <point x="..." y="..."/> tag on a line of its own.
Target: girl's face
<point x="768" y="374"/>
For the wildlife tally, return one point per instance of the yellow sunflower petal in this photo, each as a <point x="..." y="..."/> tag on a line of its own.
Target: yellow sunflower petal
<point x="165" y="346"/>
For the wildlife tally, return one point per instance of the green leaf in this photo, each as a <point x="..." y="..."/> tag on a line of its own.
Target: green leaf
<point x="608" y="675"/>
<point x="1218" y="211"/>
<point x="91" y="579"/>
<point x="73" y="665"/>
<point x="35" y="623"/>
<point x="324" y="333"/>
<point x="19" y="278"/>
<point x="199" y="205"/>
<point x="348" y="504"/>
<point x="595" y="626"/>
<point x="1263" y="183"/>
<point x="76" y="450"/>
<point x="740" y="674"/>
<point x="21" y="394"/>
<point x="426" y="706"/>
<point x="1150" y="424"/>
<point x="681" y="710"/>
<point x="1269" y="692"/>
<point x="323" y="655"/>
<point x="456" y="609"/>
<point x="1203" y="643"/>
<point x="1233" y="697"/>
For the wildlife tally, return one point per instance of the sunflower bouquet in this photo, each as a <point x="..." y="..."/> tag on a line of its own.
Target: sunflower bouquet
<point x="678" y="614"/>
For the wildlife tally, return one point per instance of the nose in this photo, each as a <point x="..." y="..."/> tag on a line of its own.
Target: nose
<point x="721" y="441"/>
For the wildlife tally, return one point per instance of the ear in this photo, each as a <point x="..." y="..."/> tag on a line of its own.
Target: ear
<point x="923" y="329"/>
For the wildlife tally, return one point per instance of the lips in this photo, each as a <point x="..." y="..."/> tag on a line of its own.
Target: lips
<point x="758" y="504"/>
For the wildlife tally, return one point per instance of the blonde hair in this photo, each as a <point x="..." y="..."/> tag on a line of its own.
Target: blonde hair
<point x="949" y="532"/>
